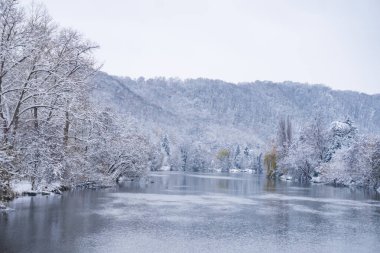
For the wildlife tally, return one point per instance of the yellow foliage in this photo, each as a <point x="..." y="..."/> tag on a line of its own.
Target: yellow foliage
<point x="270" y="162"/>
<point x="223" y="153"/>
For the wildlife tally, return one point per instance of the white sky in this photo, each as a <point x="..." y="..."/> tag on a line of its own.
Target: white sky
<point x="332" y="42"/>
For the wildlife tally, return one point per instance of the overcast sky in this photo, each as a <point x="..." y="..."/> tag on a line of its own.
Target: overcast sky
<point x="332" y="42"/>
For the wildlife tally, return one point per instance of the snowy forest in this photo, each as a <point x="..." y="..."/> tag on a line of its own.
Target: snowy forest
<point x="50" y="130"/>
<point x="64" y="122"/>
<point x="290" y="131"/>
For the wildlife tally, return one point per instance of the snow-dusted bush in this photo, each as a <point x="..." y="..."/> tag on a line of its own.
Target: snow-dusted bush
<point x="356" y="164"/>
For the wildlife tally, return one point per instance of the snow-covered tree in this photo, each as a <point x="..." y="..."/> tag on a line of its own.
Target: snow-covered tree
<point x="237" y="158"/>
<point x="198" y="159"/>
<point x="50" y="127"/>
<point x="341" y="135"/>
<point x="306" y="153"/>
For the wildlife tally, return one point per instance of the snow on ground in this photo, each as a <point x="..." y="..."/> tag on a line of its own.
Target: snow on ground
<point x="20" y="186"/>
<point x="316" y="180"/>
<point x="286" y="178"/>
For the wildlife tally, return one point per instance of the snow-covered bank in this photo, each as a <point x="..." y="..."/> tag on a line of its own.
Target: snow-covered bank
<point x="318" y="153"/>
<point x="24" y="188"/>
<point x="4" y="208"/>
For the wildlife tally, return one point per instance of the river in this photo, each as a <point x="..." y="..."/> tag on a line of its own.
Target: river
<point x="190" y="212"/>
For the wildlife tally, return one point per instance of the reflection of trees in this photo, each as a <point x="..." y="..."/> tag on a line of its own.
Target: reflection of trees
<point x="184" y="182"/>
<point x="282" y="220"/>
<point x="270" y="185"/>
<point x="223" y="184"/>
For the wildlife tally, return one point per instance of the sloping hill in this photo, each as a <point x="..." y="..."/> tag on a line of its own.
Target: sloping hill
<point x="218" y="113"/>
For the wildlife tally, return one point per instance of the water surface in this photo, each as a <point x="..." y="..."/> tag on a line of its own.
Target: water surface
<point x="196" y="213"/>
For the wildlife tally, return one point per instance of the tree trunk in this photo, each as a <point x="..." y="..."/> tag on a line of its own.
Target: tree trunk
<point x="66" y="129"/>
<point x="35" y="115"/>
<point x="5" y="123"/>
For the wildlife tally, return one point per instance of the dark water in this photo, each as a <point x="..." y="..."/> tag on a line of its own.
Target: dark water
<point x="196" y="213"/>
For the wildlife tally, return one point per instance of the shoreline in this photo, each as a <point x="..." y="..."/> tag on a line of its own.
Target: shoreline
<point x="93" y="185"/>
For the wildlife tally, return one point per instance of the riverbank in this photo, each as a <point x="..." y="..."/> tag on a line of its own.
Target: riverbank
<point x="19" y="188"/>
<point x="335" y="183"/>
<point x="22" y="188"/>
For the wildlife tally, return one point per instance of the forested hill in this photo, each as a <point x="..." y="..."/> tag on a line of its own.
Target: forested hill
<point x="221" y="113"/>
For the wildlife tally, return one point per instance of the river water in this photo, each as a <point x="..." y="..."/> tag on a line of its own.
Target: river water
<point x="196" y="213"/>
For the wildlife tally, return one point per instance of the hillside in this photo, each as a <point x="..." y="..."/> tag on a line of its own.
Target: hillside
<point x="217" y="113"/>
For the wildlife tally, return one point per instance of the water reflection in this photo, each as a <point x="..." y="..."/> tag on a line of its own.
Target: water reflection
<point x="177" y="212"/>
